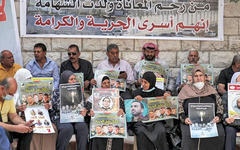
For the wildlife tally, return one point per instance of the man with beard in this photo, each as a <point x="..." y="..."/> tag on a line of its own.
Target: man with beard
<point x="115" y="63"/>
<point x="7" y="67"/>
<point x="43" y="66"/>
<point x="137" y="109"/>
<point x="150" y="53"/>
<point x="78" y="65"/>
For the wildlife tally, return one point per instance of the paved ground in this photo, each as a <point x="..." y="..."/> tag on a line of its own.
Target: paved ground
<point x="238" y="142"/>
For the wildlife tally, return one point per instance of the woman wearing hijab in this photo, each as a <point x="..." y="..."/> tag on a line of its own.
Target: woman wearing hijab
<point x="105" y="143"/>
<point x="20" y="76"/>
<point x="232" y="126"/>
<point x="200" y="91"/>
<point x="39" y="141"/>
<point x="66" y="130"/>
<point x="150" y="136"/>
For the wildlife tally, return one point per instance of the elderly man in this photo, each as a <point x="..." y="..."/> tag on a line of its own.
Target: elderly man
<point x="7" y="67"/>
<point x="19" y="129"/>
<point x="115" y="63"/>
<point x="43" y="66"/>
<point x="226" y="75"/>
<point x="78" y="65"/>
<point x="193" y="58"/>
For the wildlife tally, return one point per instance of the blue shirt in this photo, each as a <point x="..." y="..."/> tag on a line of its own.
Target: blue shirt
<point x="50" y="69"/>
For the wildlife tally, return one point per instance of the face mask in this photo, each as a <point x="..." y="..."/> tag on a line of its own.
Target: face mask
<point x="199" y="85"/>
<point x="8" y="97"/>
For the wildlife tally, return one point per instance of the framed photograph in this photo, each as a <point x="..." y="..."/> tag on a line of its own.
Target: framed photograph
<point x="201" y="116"/>
<point x="71" y="103"/>
<point x="151" y="109"/>
<point x="105" y="100"/>
<point x="108" y="125"/>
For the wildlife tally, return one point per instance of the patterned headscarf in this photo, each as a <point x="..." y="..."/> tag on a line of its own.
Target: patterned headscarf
<point x="150" y="46"/>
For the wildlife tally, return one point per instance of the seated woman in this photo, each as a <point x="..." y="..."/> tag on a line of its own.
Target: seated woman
<point x="231" y="125"/>
<point x="66" y="130"/>
<point x="105" y="143"/>
<point x="39" y="141"/>
<point x="200" y="91"/>
<point x="150" y="136"/>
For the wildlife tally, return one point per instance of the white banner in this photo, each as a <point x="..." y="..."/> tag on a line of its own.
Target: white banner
<point x="138" y="19"/>
<point x="9" y="37"/>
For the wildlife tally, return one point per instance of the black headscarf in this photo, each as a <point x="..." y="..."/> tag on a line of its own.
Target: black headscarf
<point x="65" y="76"/>
<point x="151" y="78"/>
<point x="152" y="91"/>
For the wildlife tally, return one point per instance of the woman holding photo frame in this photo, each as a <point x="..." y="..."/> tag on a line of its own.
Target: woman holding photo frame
<point x="103" y="81"/>
<point x="66" y="130"/>
<point x="150" y="136"/>
<point x="200" y="91"/>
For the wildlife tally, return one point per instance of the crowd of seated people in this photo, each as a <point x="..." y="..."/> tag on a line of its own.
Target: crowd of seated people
<point x="149" y="136"/>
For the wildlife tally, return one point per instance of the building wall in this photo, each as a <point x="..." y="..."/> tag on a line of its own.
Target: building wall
<point x="174" y="52"/>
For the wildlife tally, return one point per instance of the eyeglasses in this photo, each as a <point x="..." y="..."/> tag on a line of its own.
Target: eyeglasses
<point x="72" y="53"/>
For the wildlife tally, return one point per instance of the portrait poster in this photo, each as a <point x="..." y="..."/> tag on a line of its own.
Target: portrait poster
<point x="201" y="116"/>
<point x="35" y="93"/>
<point x="132" y="19"/>
<point x="80" y="78"/>
<point x="71" y="103"/>
<point x="234" y="101"/>
<point x="105" y="100"/>
<point x="160" y="72"/>
<point x="162" y="108"/>
<point x="112" y="74"/>
<point x="119" y="84"/>
<point x="160" y="83"/>
<point x="151" y="109"/>
<point x="108" y="126"/>
<point x="41" y="119"/>
<point x="136" y="108"/>
<point x="186" y="73"/>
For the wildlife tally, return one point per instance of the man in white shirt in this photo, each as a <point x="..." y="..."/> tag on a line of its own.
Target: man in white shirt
<point x="115" y="63"/>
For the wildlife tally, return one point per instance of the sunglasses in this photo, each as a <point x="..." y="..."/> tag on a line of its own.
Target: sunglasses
<point x="73" y="53"/>
<point x="151" y="48"/>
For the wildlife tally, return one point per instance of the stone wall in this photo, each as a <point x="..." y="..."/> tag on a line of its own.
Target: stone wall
<point x="174" y="52"/>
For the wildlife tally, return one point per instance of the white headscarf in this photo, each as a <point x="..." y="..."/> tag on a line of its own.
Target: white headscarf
<point x="20" y="76"/>
<point x="234" y="77"/>
<point x="99" y="80"/>
<point x="98" y="85"/>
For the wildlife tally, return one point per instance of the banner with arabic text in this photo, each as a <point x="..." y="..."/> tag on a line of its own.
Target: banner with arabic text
<point x="138" y="19"/>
